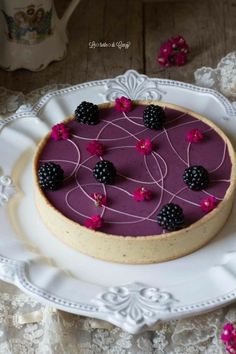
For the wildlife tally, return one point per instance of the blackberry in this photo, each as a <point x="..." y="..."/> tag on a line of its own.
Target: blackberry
<point x="196" y="178"/>
<point x="87" y="113"/>
<point x="105" y="172"/>
<point x="50" y="176"/>
<point x="171" y="217"/>
<point x="154" y="117"/>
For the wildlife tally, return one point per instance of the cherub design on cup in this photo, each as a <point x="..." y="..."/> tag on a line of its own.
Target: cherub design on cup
<point x="28" y="26"/>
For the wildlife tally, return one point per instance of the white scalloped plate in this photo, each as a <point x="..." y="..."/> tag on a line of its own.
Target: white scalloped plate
<point x="133" y="297"/>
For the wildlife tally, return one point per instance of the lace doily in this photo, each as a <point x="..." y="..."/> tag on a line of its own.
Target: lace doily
<point x="222" y="78"/>
<point x="29" y="327"/>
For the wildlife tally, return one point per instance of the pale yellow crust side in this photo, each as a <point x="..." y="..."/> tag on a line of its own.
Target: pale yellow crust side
<point x="141" y="249"/>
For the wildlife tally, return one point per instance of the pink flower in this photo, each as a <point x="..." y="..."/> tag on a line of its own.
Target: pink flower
<point x="179" y="43"/>
<point x="173" y="52"/>
<point x="99" y="199"/>
<point x="228" y="336"/>
<point x="231" y="348"/>
<point x="94" y="223"/>
<point x="194" y="136"/>
<point x="123" y="104"/>
<point x="60" y="132"/>
<point x="180" y="59"/>
<point x="141" y="194"/>
<point x="166" y="49"/>
<point x="144" y="146"/>
<point x="208" y="204"/>
<point x="95" y="148"/>
<point x="164" y="61"/>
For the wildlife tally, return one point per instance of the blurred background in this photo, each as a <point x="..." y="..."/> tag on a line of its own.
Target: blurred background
<point x="137" y="28"/>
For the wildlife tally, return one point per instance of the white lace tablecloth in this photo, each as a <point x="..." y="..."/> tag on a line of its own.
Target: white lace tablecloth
<point x="29" y="327"/>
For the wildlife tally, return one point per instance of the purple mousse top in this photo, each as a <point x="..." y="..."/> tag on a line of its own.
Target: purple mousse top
<point x="160" y="172"/>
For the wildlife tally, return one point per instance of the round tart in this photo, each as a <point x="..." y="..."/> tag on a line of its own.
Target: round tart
<point x="138" y="185"/>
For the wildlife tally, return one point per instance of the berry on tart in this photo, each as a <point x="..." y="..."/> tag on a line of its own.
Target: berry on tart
<point x="87" y="113"/>
<point x="50" y="176"/>
<point x="105" y="172"/>
<point x="154" y="117"/>
<point x="171" y="217"/>
<point x="196" y="178"/>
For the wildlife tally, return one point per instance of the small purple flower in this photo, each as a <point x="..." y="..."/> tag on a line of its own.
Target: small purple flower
<point x="194" y="136"/>
<point x="228" y="336"/>
<point x="141" y="194"/>
<point x="144" y="146"/>
<point x="208" y="204"/>
<point x="123" y="104"/>
<point x="94" y="223"/>
<point x="95" y="148"/>
<point x="173" y="52"/>
<point x="60" y="132"/>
